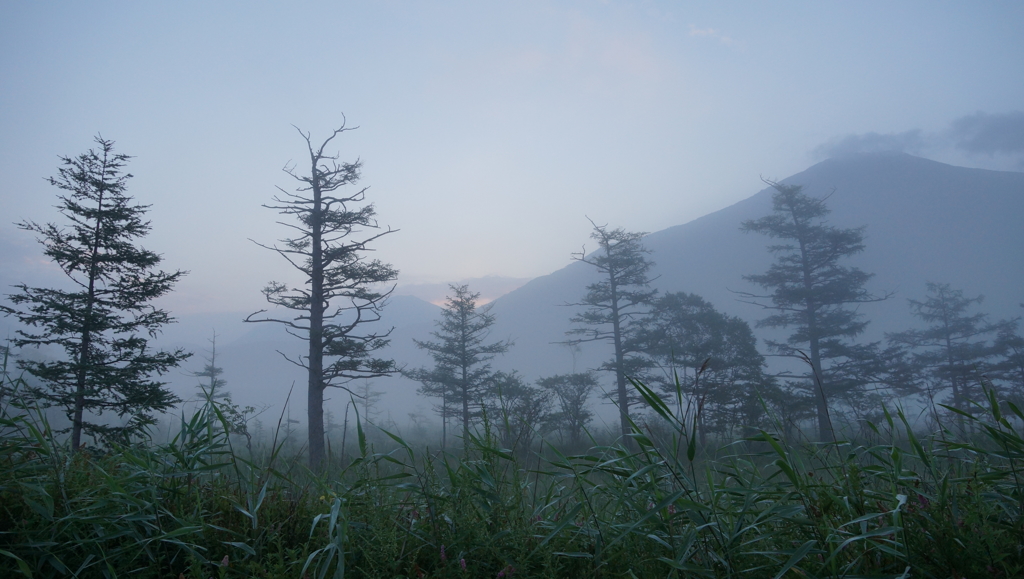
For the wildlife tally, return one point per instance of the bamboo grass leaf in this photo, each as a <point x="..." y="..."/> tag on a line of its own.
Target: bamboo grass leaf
<point x="23" y="567"/>
<point x="795" y="558"/>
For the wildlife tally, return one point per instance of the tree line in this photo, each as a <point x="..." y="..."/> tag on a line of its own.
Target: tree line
<point x="706" y="361"/>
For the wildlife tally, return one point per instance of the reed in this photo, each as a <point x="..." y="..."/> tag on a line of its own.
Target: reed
<point x="895" y="504"/>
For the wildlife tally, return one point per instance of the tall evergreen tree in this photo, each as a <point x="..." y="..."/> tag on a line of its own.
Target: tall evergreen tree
<point x="614" y="305"/>
<point x="337" y="304"/>
<point x="213" y="386"/>
<point x="953" y="351"/>
<point x="1009" y="367"/>
<point x="813" y="293"/>
<point x="105" y="322"/>
<point x="462" y="371"/>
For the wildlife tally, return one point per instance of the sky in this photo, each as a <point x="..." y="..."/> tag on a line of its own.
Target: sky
<point x="489" y="132"/>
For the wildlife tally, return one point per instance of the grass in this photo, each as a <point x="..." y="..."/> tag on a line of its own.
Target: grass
<point x="199" y="506"/>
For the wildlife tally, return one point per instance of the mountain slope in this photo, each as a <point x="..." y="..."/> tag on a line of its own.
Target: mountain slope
<point x="925" y="221"/>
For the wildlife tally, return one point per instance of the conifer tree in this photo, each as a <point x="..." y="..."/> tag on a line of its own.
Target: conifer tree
<point x="104" y="323"/>
<point x="338" y="302"/>
<point x="212" y="388"/>
<point x="953" y="351"/>
<point x="614" y="305"/>
<point x="461" y="372"/>
<point x="812" y="292"/>
<point x="1010" y="366"/>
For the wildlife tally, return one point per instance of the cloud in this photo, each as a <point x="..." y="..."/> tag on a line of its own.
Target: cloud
<point x="986" y="140"/>
<point x="711" y="33"/>
<point x="989" y="133"/>
<point x="906" y="142"/>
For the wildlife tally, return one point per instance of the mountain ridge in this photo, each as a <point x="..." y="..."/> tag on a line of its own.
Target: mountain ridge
<point x="925" y="221"/>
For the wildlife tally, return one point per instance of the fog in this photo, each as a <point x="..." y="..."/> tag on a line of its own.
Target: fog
<point x="489" y="134"/>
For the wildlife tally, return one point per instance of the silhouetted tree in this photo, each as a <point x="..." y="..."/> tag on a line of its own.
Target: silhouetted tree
<point x="614" y="305"/>
<point x="812" y="292"/>
<point x="573" y="393"/>
<point x="1009" y="367"/>
<point x="338" y="302"/>
<point x="518" y="411"/>
<point x="8" y="383"/>
<point x="953" y="350"/>
<point x="212" y="388"/>
<point x="105" y="323"/>
<point x="368" y="398"/>
<point x="461" y="372"/>
<point x="438" y="382"/>
<point x="684" y="336"/>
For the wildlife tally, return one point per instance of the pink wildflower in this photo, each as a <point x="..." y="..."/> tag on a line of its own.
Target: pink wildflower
<point x="443" y="556"/>
<point x="462" y="563"/>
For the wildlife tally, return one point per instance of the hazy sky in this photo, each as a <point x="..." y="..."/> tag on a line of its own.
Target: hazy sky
<point x="488" y="131"/>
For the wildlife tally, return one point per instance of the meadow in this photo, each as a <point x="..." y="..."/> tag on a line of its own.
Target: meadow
<point x="204" y="504"/>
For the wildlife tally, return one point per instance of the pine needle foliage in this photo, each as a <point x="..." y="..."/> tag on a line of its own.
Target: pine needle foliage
<point x="615" y="304"/>
<point x="811" y="291"/>
<point x="462" y="373"/>
<point x="105" y="322"/>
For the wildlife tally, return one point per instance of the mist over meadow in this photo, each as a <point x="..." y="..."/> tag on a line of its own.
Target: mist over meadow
<point x="311" y="254"/>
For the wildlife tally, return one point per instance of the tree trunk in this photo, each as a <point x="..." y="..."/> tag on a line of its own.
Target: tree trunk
<point x="465" y="377"/>
<point x="957" y="401"/>
<point x="620" y="370"/>
<point x="315" y="405"/>
<point x="86" y="343"/>
<point x="817" y="375"/>
<point x="824" y="422"/>
<point x="465" y="416"/>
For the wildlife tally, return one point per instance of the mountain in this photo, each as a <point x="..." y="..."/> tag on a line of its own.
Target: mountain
<point x="925" y="221"/>
<point x="489" y="287"/>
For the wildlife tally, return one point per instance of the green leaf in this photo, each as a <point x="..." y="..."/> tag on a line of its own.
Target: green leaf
<point x="23" y="567"/>
<point x="653" y="400"/>
<point x="566" y="520"/>
<point x="243" y="546"/>
<point x="691" y="445"/>
<point x="955" y="410"/>
<point x="797" y="556"/>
